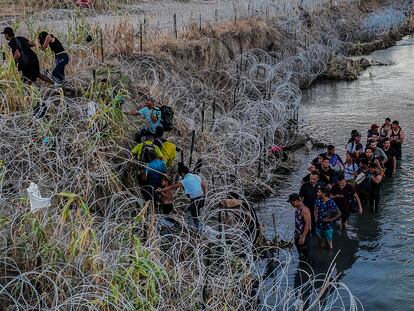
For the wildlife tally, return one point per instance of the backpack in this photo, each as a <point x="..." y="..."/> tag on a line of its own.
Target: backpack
<point x="143" y="157"/>
<point x="167" y="118"/>
<point x="363" y="185"/>
<point x="169" y="150"/>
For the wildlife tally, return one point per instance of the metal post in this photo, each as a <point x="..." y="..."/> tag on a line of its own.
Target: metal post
<point x="191" y="149"/>
<point x="199" y="27"/>
<point x="140" y="37"/>
<point x="202" y="117"/>
<point x="214" y="113"/>
<point x="102" y="48"/>
<point x="175" y="26"/>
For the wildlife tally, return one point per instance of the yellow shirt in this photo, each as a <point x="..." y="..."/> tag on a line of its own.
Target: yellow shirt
<point x="138" y="149"/>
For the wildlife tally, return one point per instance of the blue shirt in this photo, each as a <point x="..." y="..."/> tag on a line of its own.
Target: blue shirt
<point x="153" y="172"/>
<point x="325" y="210"/>
<point x="192" y="186"/>
<point x="146" y="113"/>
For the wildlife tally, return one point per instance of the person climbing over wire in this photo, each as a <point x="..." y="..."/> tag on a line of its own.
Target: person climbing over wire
<point x="151" y="114"/>
<point x="61" y="56"/>
<point x="26" y="60"/>
<point x="195" y="188"/>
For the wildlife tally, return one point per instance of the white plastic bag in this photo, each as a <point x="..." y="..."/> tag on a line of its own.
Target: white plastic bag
<point x="91" y="109"/>
<point x="36" y="200"/>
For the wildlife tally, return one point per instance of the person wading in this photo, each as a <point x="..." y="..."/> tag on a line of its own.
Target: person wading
<point x="302" y="226"/>
<point x="344" y="196"/>
<point x="309" y="193"/>
<point x="26" y="60"/>
<point x="326" y="212"/>
<point x="396" y="136"/>
<point x="61" y="56"/>
<point x="391" y="164"/>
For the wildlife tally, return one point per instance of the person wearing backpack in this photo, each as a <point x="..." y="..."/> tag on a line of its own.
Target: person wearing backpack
<point x="141" y="150"/>
<point x="26" y="60"/>
<point x="152" y="116"/>
<point x="350" y="169"/>
<point x="152" y="175"/>
<point x="355" y="147"/>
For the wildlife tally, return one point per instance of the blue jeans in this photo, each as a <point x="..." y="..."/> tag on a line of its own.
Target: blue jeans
<point x="58" y="73"/>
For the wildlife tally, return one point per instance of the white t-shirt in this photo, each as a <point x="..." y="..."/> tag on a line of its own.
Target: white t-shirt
<point x="192" y="185"/>
<point x="349" y="170"/>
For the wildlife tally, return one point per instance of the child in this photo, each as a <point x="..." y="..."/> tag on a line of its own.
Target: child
<point x="166" y="196"/>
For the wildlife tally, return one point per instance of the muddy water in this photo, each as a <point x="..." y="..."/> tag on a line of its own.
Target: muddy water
<point x="376" y="258"/>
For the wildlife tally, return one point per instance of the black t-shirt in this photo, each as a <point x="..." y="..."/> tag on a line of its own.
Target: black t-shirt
<point x="309" y="194"/>
<point x="348" y="192"/>
<point x="389" y="163"/>
<point x="25" y="47"/>
<point x="328" y="177"/>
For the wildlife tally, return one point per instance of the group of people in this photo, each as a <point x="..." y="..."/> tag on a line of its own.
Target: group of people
<point x="156" y="154"/>
<point x="28" y="62"/>
<point x="334" y="188"/>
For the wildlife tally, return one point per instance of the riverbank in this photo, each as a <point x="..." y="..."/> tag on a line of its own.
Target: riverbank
<point x="235" y="91"/>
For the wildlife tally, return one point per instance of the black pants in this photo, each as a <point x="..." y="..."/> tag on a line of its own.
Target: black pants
<point x="374" y="199"/>
<point x="398" y="151"/>
<point x="304" y="249"/>
<point x="194" y="208"/>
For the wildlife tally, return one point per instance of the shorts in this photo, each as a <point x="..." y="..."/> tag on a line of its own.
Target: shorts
<point x="31" y="72"/>
<point x="324" y="233"/>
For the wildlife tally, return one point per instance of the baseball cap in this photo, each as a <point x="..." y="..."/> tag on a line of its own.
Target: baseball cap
<point x="8" y="30"/>
<point x="374" y="126"/>
<point x="293" y="197"/>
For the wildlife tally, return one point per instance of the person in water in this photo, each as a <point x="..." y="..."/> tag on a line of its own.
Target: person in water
<point x="61" y="56"/>
<point x="396" y="136"/>
<point x="326" y="212"/>
<point x="391" y="163"/>
<point x="302" y="226"/>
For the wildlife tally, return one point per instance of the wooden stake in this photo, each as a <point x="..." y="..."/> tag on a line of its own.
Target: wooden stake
<point x="102" y="48"/>
<point x="140" y="37"/>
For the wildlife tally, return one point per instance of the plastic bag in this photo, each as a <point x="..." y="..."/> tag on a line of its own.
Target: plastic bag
<point x="36" y="200"/>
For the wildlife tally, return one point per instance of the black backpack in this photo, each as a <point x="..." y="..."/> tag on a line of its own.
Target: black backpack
<point x="167" y="118"/>
<point x="146" y="148"/>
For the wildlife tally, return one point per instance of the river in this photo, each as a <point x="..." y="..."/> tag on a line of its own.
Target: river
<point x="376" y="254"/>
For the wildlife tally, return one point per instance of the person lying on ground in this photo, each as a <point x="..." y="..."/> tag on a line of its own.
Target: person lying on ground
<point x="26" y="60"/>
<point x="152" y="175"/>
<point x="194" y="188"/>
<point x="151" y="114"/>
<point x="378" y="153"/>
<point x="302" y="226"/>
<point x="391" y="164"/>
<point x="344" y="195"/>
<point x="326" y="213"/>
<point x="140" y="150"/>
<point x="61" y="56"/>
<point x="396" y="136"/>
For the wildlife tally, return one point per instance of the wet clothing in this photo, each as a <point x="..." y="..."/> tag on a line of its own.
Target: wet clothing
<point x="334" y="160"/>
<point x="30" y="71"/>
<point x="396" y="146"/>
<point x="327" y="234"/>
<point x="344" y="203"/>
<point x="325" y="209"/>
<point x="304" y="249"/>
<point x="389" y="166"/>
<point x="299" y="221"/>
<point x="349" y="170"/>
<point x="310" y="194"/>
<point x="374" y="194"/>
